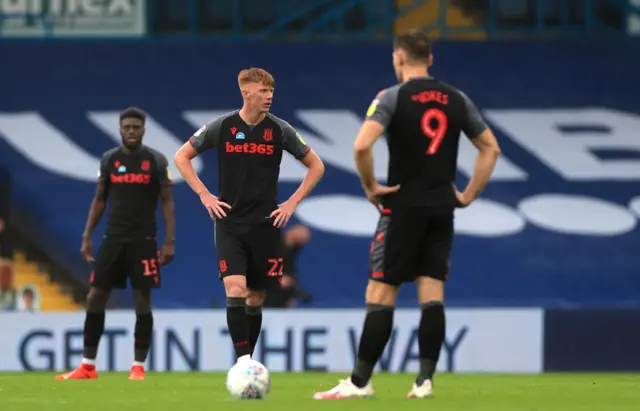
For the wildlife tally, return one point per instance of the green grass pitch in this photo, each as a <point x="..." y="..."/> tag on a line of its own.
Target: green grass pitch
<point x="206" y="391"/>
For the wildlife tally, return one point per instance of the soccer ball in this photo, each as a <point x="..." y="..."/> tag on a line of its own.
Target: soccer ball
<point x="248" y="380"/>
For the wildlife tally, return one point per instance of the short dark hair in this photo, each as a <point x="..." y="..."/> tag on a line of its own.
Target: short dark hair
<point x="415" y="43"/>
<point x="28" y="290"/>
<point x="133" y="112"/>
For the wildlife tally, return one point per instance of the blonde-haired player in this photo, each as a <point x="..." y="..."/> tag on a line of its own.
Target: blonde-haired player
<point x="250" y="143"/>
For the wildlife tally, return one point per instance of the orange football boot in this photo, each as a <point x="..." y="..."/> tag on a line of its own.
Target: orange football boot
<point x="137" y="373"/>
<point x="83" y="372"/>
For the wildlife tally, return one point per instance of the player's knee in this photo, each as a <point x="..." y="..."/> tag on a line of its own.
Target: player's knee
<point x="255" y="298"/>
<point x="97" y="300"/>
<point x="142" y="308"/>
<point x="235" y="286"/>
<point x="142" y="301"/>
<point x="430" y="289"/>
<point x="381" y="293"/>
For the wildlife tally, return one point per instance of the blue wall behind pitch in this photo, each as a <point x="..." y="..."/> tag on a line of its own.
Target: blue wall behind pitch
<point x="533" y="266"/>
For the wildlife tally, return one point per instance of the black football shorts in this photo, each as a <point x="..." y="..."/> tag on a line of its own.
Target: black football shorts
<point x="118" y="260"/>
<point x="410" y="243"/>
<point x="251" y="250"/>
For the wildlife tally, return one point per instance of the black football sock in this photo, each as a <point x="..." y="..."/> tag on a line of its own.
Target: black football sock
<point x="430" y="338"/>
<point x="255" y="325"/>
<point x="375" y="335"/>
<point x="238" y="323"/>
<point x="142" y="336"/>
<point x="93" y="329"/>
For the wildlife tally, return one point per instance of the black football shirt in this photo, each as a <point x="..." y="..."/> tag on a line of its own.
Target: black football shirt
<point x="249" y="160"/>
<point x="132" y="189"/>
<point x="423" y="118"/>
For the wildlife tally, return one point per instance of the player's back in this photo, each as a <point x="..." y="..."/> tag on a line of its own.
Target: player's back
<point x="423" y="134"/>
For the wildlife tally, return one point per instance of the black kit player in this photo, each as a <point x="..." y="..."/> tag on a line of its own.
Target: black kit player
<point x="250" y="143"/>
<point x="423" y="118"/>
<point x="131" y="179"/>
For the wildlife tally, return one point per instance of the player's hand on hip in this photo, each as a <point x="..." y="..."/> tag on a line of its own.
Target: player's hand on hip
<point x="462" y="200"/>
<point x="214" y="206"/>
<point x="283" y="213"/>
<point x="87" y="249"/>
<point x="167" y="253"/>
<point x="376" y="193"/>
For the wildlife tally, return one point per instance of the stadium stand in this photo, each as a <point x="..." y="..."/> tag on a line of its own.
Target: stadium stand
<point x="52" y="296"/>
<point x="430" y="13"/>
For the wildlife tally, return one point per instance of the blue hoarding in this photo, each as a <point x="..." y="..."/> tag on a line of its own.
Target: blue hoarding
<point x="557" y="226"/>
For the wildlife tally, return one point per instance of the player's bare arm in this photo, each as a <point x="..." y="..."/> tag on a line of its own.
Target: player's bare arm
<point x="488" y="151"/>
<point x="315" y="171"/>
<point x="163" y="178"/>
<point x="378" y="118"/>
<point x="363" y="147"/>
<point x="182" y="160"/>
<point x="205" y="138"/>
<point x="369" y="133"/>
<point x="295" y="145"/>
<point x="96" y="210"/>
<point x="167" y="252"/>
